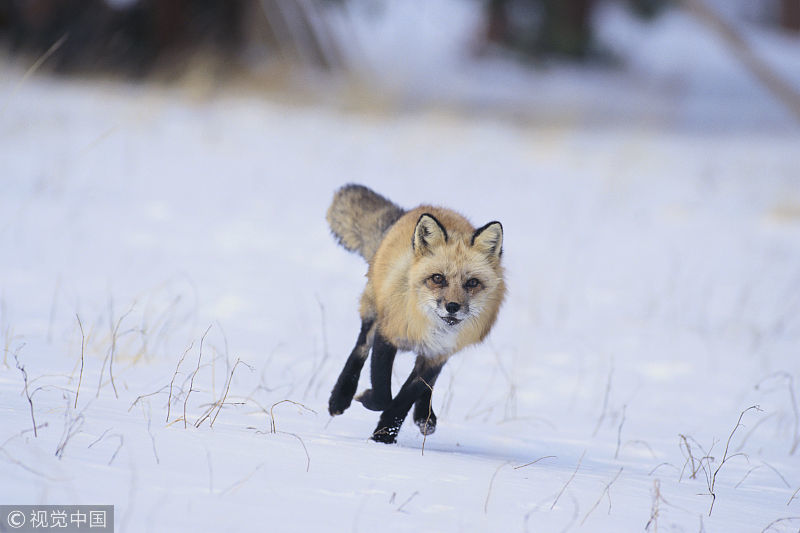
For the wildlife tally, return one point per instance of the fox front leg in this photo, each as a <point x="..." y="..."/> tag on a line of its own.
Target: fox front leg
<point x="379" y="396"/>
<point x="345" y="388"/>
<point x="424" y="417"/>
<point x="421" y="379"/>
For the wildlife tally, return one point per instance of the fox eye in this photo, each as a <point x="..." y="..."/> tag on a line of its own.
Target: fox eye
<point x="438" y="279"/>
<point x="472" y="283"/>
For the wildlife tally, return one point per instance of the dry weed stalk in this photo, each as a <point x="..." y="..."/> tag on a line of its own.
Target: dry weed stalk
<point x="196" y="370"/>
<point x="28" y="395"/>
<point x="413" y="495"/>
<point x="109" y="359"/>
<point x="793" y="496"/>
<point x="606" y="491"/>
<point x="119" y="446"/>
<point x="619" y="432"/>
<point x="221" y="402"/>
<point x="778" y="521"/>
<point x="272" y="426"/>
<point x="726" y="457"/>
<point x="489" y="491"/>
<point x="561" y="492"/>
<point x="655" y="507"/>
<point x="325" y="353"/>
<point x="606" y="395"/>
<point x="172" y="381"/>
<point x="83" y="344"/>
<point x="535" y="461"/>
<point x="72" y="426"/>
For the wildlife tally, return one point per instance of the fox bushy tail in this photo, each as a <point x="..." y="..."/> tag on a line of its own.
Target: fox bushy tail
<point x="359" y="217"/>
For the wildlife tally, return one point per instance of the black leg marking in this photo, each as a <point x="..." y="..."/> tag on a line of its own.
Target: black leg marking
<point x="413" y="389"/>
<point x="379" y="396"/>
<point x="345" y="388"/>
<point x="424" y="416"/>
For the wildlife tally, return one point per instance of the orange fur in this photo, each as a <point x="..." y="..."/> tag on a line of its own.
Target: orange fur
<point x="409" y="306"/>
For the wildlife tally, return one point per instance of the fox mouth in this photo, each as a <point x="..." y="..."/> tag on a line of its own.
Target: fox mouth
<point x="451" y="320"/>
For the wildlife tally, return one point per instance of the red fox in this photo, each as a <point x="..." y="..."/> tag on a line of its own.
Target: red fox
<point x="434" y="285"/>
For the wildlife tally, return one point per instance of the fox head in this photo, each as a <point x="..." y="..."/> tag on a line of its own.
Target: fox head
<point x="457" y="277"/>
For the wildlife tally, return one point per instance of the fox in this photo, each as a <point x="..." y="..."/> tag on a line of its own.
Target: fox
<point x="435" y="285"/>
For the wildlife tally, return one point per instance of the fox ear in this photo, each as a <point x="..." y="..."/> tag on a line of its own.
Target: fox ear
<point x="489" y="239"/>
<point x="428" y="234"/>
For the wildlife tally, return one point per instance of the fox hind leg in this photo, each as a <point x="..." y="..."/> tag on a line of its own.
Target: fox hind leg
<point x="379" y="396"/>
<point x="345" y="388"/>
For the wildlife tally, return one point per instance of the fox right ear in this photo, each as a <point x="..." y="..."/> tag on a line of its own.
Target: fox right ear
<point x="428" y="234"/>
<point x="489" y="239"/>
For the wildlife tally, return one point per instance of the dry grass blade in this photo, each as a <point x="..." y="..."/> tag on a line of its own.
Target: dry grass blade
<point x="83" y="344"/>
<point x="491" y="483"/>
<point x="303" y="444"/>
<point x="605" y="491"/>
<point x="535" y="461"/>
<point x="561" y="492"/>
<point x="778" y="521"/>
<point x="272" y="426"/>
<point x="413" y="495"/>
<point x="33" y="68"/>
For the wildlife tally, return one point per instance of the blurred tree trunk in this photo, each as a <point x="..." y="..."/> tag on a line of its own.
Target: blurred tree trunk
<point x="566" y="28"/>
<point x="541" y="27"/>
<point x="790" y="15"/>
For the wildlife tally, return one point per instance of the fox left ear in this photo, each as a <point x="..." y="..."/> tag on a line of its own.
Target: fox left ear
<point x="489" y="239"/>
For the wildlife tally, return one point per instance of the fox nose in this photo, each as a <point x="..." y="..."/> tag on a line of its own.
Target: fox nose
<point x="452" y="307"/>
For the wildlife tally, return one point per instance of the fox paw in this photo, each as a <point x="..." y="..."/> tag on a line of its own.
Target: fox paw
<point x="386" y="435"/>
<point x="340" y="400"/>
<point x="368" y="399"/>
<point x="427" y="425"/>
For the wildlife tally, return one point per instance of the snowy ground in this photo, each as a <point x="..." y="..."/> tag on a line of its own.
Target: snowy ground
<point x="654" y="297"/>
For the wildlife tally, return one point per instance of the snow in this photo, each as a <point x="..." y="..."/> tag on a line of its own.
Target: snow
<point x="654" y="296"/>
